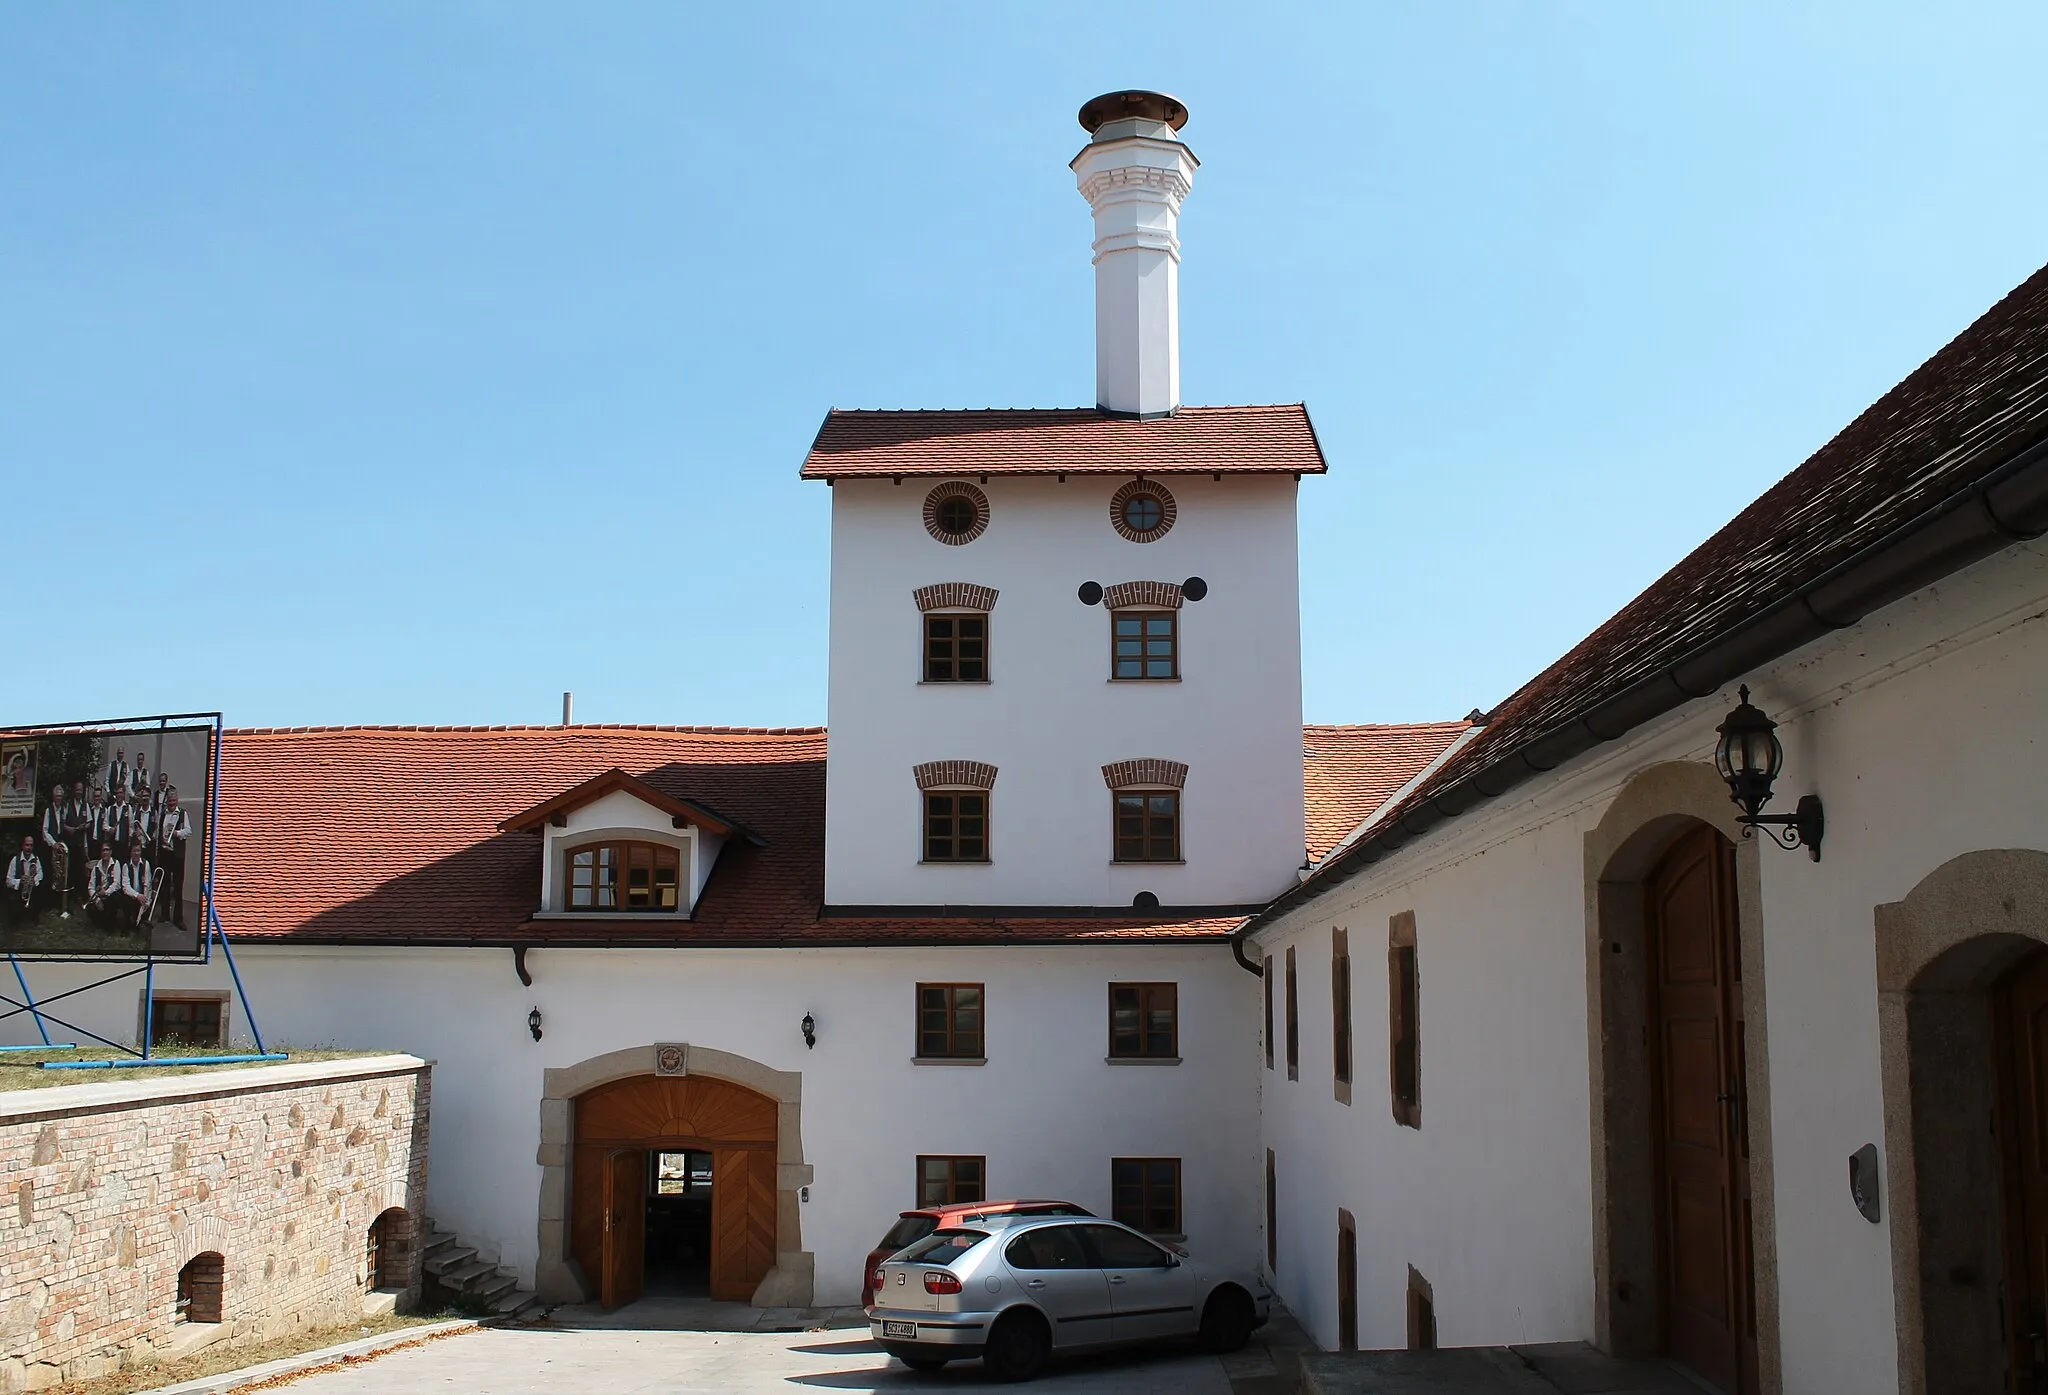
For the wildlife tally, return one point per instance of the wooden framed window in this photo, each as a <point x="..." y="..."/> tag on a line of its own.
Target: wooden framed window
<point x="1340" y="1013"/>
<point x="950" y="1021"/>
<point x="1347" y="1281"/>
<point x="624" y="876"/>
<point x="1293" y="1022"/>
<point x="1147" y="825"/>
<point x="1266" y="983"/>
<point x="1272" y="1216"/>
<point x="193" y="1021"/>
<point x="956" y="649"/>
<point x="1404" y="1025"/>
<point x="1421" y="1313"/>
<point x="1145" y="1194"/>
<point x="1144" y="1021"/>
<point x="949" y="1180"/>
<point x="1144" y="644"/>
<point x="956" y="826"/>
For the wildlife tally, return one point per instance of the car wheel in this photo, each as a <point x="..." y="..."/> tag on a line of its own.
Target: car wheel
<point x="1017" y="1347"/>
<point x="924" y="1363"/>
<point x="1227" y="1320"/>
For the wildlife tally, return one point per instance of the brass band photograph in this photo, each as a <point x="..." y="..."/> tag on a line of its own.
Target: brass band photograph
<point x="106" y="842"/>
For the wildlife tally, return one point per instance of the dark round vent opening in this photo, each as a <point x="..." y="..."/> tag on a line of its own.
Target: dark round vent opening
<point x="1194" y="588"/>
<point x="1090" y="593"/>
<point x="1145" y="901"/>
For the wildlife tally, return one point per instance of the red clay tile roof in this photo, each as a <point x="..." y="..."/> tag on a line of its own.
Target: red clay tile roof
<point x="1352" y="770"/>
<point x="1971" y="408"/>
<point x="1074" y="441"/>
<point x="390" y="834"/>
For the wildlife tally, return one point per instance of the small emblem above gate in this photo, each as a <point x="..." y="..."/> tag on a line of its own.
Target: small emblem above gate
<point x="671" y="1058"/>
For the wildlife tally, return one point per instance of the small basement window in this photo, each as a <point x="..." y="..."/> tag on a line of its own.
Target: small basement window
<point x="624" y="876"/>
<point x="1145" y="1194"/>
<point x="946" y="1181"/>
<point x="187" y="1021"/>
<point x="199" y="1287"/>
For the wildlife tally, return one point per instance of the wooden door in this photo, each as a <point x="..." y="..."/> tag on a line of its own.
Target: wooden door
<point x="742" y="1221"/>
<point x="2020" y="1036"/>
<point x="1347" y="1282"/>
<point x="625" y="1227"/>
<point x="1701" y="1127"/>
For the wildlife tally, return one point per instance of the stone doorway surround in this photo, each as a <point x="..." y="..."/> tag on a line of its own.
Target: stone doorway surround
<point x="1940" y="951"/>
<point x="1652" y="809"/>
<point x="558" y="1278"/>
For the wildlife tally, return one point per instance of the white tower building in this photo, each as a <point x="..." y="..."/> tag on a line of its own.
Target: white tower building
<point x="1065" y="645"/>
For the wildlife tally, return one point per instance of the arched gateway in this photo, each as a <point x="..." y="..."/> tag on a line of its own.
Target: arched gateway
<point x="680" y="1158"/>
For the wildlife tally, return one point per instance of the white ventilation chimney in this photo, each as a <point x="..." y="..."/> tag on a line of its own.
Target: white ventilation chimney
<point x="1134" y="172"/>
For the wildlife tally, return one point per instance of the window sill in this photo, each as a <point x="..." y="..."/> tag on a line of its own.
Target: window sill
<point x="1149" y="862"/>
<point x="954" y="682"/>
<point x="1135" y="682"/>
<point x="626" y="916"/>
<point x="955" y="861"/>
<point x="949" y="1060"/>
<point x="1164" y="1237"/>
<point x="1141" y="1060"/>
<point x="1343" y="1092"/>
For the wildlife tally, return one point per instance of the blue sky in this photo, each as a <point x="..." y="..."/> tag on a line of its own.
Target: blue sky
<point x="402" y="363"/>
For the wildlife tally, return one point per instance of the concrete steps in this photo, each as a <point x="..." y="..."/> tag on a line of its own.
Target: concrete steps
<point x="457" y="1277"/>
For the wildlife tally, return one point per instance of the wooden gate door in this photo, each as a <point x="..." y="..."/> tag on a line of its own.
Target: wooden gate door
<point x="2020" y="1027"/>
<point x="1701" y="1128"/>
<point x="742" y="1221"/>
<point x="625" y="1227"/>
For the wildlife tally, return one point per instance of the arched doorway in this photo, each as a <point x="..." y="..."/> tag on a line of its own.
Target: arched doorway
<point x="674" y="1176"/>
<point x="1962" y="976"/>
<point x="1684" y="1255"/>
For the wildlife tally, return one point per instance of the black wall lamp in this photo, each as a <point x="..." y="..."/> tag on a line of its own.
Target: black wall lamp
<point x="810" y="1031"/>
<point x="533" y="1023"/>
<point x="1749" y="757"/>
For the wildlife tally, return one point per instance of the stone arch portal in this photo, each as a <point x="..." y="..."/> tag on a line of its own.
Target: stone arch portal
<point x="672" y="1095"/>
<point x="1658" y="807"/>
<point x="1942" y="955"/>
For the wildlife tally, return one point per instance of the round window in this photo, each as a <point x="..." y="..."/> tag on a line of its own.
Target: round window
<point x="956" y="513"/>
<point x="1142" y="513"/>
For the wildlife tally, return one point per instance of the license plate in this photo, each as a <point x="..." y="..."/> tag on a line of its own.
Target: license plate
<point x="899" y="1329"/>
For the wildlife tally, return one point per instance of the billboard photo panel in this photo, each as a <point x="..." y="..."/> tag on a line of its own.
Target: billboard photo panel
<point x="103" y="839"/>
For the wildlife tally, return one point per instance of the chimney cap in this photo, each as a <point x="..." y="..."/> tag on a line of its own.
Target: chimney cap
<point x="1134" y="102"/>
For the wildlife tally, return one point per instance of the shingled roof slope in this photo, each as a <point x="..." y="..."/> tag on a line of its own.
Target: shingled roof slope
<point x="390" y="835"/>
<point x="1977" y="404"/>
<point x="1273" y="440"/>
<point x="1352" y="770"/>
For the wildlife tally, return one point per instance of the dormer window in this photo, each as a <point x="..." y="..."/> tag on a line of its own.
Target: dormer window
<point x="623" y="876"/>
<point x="616" y="845"/>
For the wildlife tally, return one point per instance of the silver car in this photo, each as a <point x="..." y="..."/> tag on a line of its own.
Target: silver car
<point x="1015" y="1290"/>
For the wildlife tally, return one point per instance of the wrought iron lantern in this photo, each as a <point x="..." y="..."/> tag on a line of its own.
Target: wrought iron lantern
<point x="810" y="1031"/>
<point x="533" y="1023"/>
<point x="1749" y="757"/>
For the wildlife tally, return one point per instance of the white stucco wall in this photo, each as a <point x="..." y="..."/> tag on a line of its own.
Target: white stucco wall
<point x="1921" y="728"/>
<point x="1046" y="1111"/>
<point x="1050" y="719"/>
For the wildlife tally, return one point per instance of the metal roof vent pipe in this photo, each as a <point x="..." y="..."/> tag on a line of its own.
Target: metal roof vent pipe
<point x="568" y="709"/>
<point x="1135" y="172"/>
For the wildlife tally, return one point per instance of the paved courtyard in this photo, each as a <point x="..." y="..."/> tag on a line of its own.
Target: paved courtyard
<point x="551" y="1358"/>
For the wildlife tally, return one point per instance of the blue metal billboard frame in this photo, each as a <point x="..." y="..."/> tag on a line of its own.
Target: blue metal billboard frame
<point x="216" y="932"/>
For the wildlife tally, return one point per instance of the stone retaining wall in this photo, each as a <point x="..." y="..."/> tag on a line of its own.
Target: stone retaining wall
<point x="108" y="1190"/>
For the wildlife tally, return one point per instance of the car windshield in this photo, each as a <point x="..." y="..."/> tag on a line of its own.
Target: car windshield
<point x="942" y="1247"/>
<point x="907" y="1231"/>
